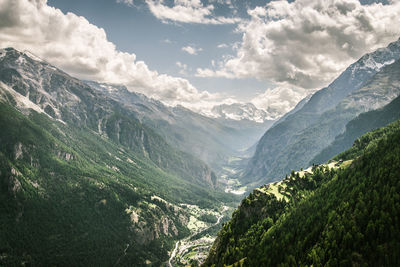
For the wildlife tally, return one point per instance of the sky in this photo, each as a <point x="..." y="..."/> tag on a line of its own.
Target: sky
<point x="201" y="53"/>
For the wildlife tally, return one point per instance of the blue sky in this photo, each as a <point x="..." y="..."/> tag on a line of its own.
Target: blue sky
<point x="134" y="29"/>
<point x="201" y="53"/>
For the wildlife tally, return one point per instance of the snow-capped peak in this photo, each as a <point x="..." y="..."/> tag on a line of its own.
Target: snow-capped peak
<point x="241" y="111"/>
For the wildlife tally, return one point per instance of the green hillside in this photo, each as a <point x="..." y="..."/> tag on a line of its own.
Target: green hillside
<point x="70" y="197"/>
<point x="74" y="102"/>
<point x="342" y="214"/>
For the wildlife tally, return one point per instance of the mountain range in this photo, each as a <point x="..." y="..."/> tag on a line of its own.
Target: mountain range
<point x="212" y="140"/>
<point x="244" y="111"/>
<point x="94" y="174"/>
<point x="294" y="140"/>
<point x="83" y="181"/>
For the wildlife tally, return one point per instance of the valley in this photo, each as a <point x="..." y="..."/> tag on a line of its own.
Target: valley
<point x="242" y="133"/>
<point x="194" y="248"/>
<point x="101" y="153"/>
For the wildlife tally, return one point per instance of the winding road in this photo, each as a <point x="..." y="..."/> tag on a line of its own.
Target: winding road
<point x="187" y="238"/>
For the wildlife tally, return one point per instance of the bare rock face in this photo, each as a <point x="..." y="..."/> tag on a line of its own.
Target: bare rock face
<point x="154" y="220"/>
<point x="18" y="151"/>
<point x="168" y="227"/>
<point x="64" y="155"/>
<point x="14" y="185"/>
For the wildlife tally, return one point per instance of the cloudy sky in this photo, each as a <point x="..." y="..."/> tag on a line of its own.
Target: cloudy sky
<point x="199" y="53"/>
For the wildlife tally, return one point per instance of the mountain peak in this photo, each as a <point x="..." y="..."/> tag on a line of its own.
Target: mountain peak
<point x="243" y="111"/>
<point x="376" y="60"/>
<point x="369" y="83"/>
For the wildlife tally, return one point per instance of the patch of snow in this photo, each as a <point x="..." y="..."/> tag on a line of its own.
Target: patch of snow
<point x="3" y="53"/>
<point x="22" y="101"/>
<point x="21" y="60"/>
<point x="239" y="111"/>
<point x="370" y="63"/>
<point x="33" y="56"/>
<point x="109" y="88"/>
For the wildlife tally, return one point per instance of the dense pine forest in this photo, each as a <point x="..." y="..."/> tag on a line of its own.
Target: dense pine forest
<point x="345" y="213"/>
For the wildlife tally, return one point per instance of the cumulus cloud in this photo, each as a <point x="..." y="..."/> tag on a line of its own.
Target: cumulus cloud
<point x="187" y="11"/>
<point x="307" y="43"/>
<point x="279" y="100"/>
<point x="73" y="44"/>
<point x="192" y="50"/>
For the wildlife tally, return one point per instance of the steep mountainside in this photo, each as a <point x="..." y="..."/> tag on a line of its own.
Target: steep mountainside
<point x="72" y="197"/>
<point x="68" y="99"/>
<point x="345" y="213"/>
<point x="365" y="122"/>
<point x="213" y="140"/>
<point x="83" y="182"/>
<point x="293" y="141"/>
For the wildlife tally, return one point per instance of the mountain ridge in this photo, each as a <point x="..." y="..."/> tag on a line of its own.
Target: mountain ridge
<point x="212" y="140"/>
<point x="83" y="182"/>
<point x="65" y="98"/>
<point x="362" y="124"/>
<point x="283" y="140"/>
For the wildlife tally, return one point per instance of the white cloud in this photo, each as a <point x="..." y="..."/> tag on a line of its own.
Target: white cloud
<point x="222" y="45"/>
<point x="192" y="50"/>
<point x="187" y="11"/>
<point x="82" y="49"/>
<point x="307" y="43"/>
<point x="279" y="100"/>
<point x="183" y="68"/>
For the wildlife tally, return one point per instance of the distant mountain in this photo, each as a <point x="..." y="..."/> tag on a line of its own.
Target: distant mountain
<point x="298" y="107"/>
<point x="83" y="181"/>
<point x="246" y="111"/>
<point x="340" y="214"/>
<point x="294" y="140"/>
<point x="213" y="140"/>
<point x="363" y="123"/>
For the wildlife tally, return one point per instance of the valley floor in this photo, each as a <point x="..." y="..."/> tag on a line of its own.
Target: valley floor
<point x="195" y="247"/>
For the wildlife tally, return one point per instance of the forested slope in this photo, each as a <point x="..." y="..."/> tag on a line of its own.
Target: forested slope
<point x="345" y="213"/>
<point x="69" y="196"/>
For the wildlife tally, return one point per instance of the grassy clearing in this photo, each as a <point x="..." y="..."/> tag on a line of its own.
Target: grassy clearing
<point x="273" y="189"/>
